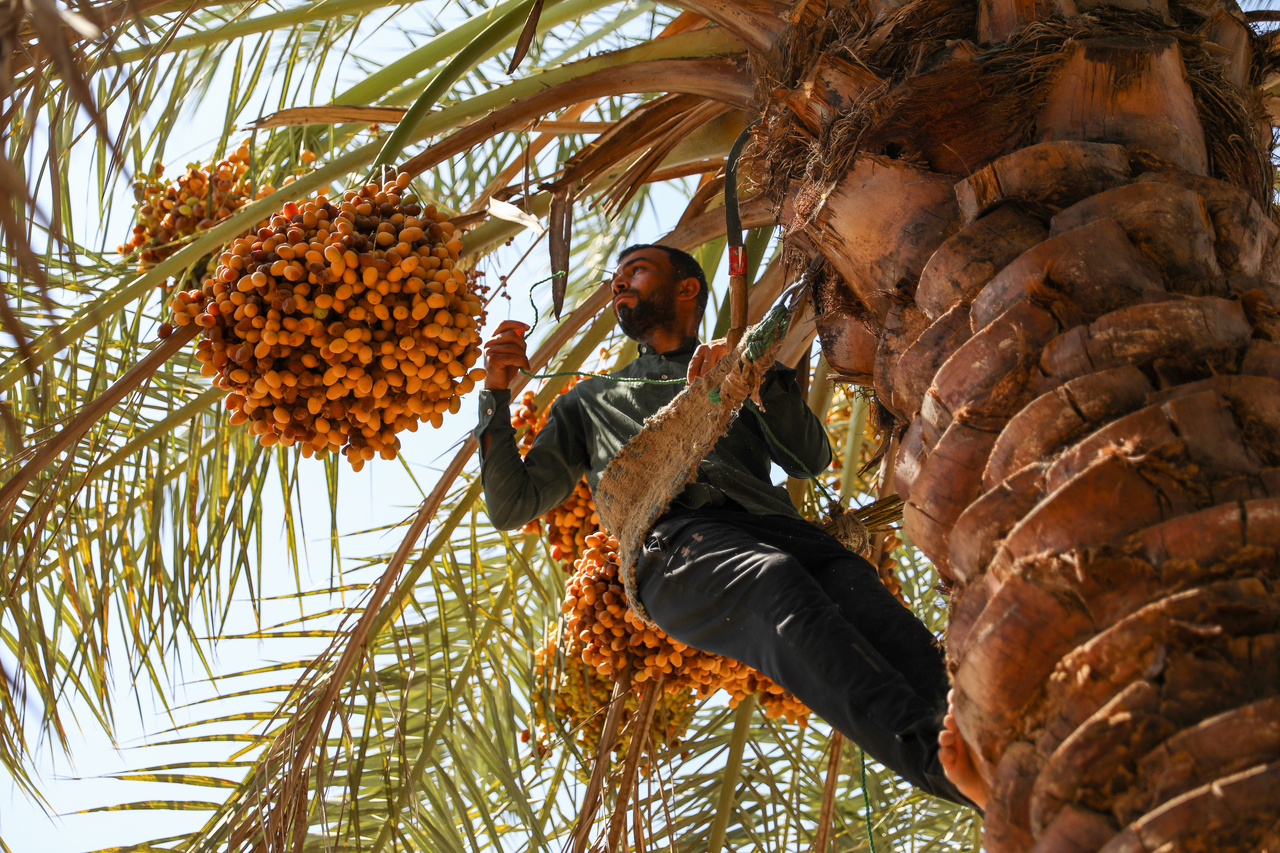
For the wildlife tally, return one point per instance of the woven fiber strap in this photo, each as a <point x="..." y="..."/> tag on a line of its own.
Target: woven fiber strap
<point x="650" y="470"/>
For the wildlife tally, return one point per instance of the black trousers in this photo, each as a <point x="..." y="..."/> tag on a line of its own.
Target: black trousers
<point x="790" y="601"/>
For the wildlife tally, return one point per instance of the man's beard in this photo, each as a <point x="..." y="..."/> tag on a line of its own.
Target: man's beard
<point x="646" y="315"/>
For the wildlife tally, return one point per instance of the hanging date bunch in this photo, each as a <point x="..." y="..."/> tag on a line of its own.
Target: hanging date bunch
<point x="528" y="416"/>
<point x="169" y="212"/>
<point x="576" y="697"/>
<point x="570" y="523"/>
<point x="341" y="323"/>
<point x="613" y="639"/>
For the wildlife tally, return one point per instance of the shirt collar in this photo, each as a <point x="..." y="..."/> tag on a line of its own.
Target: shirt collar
<point x="686" y="348"/>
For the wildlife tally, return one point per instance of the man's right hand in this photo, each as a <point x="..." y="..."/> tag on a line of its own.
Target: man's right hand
<point x="505" y="354"/>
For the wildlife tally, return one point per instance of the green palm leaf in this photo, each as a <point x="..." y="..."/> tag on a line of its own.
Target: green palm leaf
<point x="401" y="728"/>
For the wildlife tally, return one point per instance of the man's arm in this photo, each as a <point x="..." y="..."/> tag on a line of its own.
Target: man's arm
<point x="802" y="449"/>
<point x="517" y="490"/>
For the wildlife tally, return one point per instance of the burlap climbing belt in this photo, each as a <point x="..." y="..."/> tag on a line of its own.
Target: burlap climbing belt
<point x="649" y="471"/>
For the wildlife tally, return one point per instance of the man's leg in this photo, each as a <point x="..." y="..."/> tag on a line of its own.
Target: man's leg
<point x="719" y="588"/>
<point x="894" y="631"/>
<point x="910" y="648"/>
<point x="855" y="587"/>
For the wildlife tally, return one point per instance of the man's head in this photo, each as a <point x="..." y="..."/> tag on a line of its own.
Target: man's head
<point x="658" y="288"/>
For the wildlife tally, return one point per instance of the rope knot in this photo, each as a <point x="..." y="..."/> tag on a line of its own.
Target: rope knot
<point x="845" y="525"/>
<point x="742" y="382"/>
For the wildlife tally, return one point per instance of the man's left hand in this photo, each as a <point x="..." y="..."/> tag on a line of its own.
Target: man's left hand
<point x="705" y="357"/>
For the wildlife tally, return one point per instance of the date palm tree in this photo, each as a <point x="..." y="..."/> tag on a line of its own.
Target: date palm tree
<point x="1040" y="232"/>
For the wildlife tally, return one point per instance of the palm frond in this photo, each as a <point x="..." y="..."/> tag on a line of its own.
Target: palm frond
<point x="144" y="511"/>
<point x="425" y="745"/>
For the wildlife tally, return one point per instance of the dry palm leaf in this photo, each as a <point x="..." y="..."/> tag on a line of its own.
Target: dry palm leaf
<point x="659" y="146"/>
<point x="526" y="37"/>
<point x="328" y="114"/>
<point x="561" y="235"/>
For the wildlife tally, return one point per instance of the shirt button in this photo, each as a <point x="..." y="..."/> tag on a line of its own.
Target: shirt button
<point x="489" y="412"/>
<point x="664" y="376"/>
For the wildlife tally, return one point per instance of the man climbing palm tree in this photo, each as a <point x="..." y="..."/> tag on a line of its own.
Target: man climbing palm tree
<point x="731" y="568"/>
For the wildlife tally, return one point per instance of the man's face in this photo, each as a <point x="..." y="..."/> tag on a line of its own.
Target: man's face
<point x="643" y="293"/>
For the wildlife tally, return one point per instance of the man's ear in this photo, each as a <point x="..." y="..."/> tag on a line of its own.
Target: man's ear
<point x="688" y="289"/>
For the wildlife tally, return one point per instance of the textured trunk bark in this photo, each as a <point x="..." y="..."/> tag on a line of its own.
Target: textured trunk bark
<point x="1049" y="248"/>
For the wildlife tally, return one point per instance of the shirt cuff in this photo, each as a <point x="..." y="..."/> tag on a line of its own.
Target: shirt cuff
<point x="778" y="376"/>
<point x="778" y="382"/>
<point x="495" y="412"/>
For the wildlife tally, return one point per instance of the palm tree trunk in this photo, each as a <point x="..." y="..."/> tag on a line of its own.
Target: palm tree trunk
<point x="1049" y="247"/>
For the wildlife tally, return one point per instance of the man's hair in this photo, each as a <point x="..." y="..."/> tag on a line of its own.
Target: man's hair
<point x="683" y="266"/>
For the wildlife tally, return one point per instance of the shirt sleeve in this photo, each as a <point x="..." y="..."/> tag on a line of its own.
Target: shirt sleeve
<point x="801" y="448"/>
<point x="518" y="490"/>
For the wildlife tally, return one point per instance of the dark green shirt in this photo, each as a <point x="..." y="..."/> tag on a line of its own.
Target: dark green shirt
<point x="591" y="422"/>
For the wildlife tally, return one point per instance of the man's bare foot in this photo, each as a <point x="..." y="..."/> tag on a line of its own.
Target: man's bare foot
<point x="957" y="762"/>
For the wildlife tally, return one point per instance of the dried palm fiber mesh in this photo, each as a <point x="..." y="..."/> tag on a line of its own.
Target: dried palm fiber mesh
<point x="901" y="45"/>
<point x="1014" y="77"/>
<point x="651" y="469"/>
<point x="828" y="291"/>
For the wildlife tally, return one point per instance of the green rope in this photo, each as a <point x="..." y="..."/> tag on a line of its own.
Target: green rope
<point x="533" y="304"/>
<point x="866" y="799"/>
<point x="826" y="493"/>
<point x="626" y="380"/>
<point x="769" y="330"/>
<point x="762" y="336"/>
